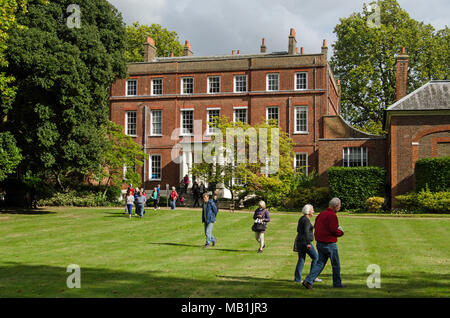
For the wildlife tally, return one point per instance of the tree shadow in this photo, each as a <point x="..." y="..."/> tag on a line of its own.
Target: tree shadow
<point x="201" y="246"/>
<point x="20" y="280"/>
<point x="24" y="211"/>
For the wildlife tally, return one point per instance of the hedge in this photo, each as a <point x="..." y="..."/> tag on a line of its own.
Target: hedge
<point x="425" y="201"/>
<point x="433" y="173"/>
<point x="354" y="185"/>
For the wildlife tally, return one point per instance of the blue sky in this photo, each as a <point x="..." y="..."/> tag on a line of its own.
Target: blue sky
<point x="216" y="27"/>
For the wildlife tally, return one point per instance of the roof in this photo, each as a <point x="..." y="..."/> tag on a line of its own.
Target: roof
<point x="434" y="95"/>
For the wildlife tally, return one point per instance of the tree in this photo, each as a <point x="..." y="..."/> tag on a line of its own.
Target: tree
<point x="10" y="155"/>
<point x="121" y="151"/>
<point x="256" y="174"/>
<point x="63" y="75"/>
<point x="166" y="41"/>
<point x="364" y="60"/>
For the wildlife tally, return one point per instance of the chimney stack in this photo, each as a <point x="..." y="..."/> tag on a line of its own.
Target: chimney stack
<point x="302" y="50"/>
<point x="263" y="46"/>
<point x="401" y="76"/>
<point x="325" y="49"/>
<point x="149" y="50"/>
<point x="292" y="42"/>
<point x="232" y="52"/>
<point x="187" y="49"/>
<point x="238" y="51"/>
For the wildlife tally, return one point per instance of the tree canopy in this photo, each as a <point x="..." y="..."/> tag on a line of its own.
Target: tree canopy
<point x="63" y="76"/>
<point x="364" y="60"/>
<point x="166" y="41"/>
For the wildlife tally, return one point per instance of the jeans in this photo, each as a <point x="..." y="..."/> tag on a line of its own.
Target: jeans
<point x="301" y="261"/>
<point x="130" y="208"/>
<point x="172" y="204"/>
<point x="140" y="209"/>
<point x="208" y="232"/>
<point x="326" y="250"/>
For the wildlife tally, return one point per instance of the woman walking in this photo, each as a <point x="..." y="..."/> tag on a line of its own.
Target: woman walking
<point x="261" y="217"/>
<point x="130" y="201"/>
<point x="155" y="197"/>
<point x="304" y="240"/>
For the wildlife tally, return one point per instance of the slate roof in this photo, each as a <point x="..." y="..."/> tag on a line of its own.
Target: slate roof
<point x="434" y="95"/>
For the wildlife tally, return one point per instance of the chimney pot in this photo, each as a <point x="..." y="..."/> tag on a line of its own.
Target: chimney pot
<point x="149" y="50"/>
<point x="187" y="49"/>
<point x="232" y="52"/>
<point x="401" y="76"/>
<point x="292" y="42"/>
<point x="263" y="46"/>
<point x="238" y="51"/>
<point x="302" y="50"/>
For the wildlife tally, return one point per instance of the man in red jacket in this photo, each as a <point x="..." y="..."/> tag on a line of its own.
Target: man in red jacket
<point x="327" y="230"/>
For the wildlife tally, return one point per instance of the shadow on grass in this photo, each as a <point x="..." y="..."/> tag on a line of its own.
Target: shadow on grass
<point x="201" y="246"/>
<point x="19" y="280"/>
<point x="26" y="211"/>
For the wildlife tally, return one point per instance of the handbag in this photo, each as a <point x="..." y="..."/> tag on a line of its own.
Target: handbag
<point x="258" y="226"/>
<point x="295" y="249"/>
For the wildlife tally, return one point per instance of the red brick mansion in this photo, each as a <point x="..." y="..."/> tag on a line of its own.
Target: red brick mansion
<point x="295" y="88"/>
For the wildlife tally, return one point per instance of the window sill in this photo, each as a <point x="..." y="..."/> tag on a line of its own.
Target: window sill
<point x="301" y="133"/>
<point x="155" y="135"/>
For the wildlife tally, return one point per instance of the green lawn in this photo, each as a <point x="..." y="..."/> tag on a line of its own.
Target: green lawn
<point x="162" y="255"/>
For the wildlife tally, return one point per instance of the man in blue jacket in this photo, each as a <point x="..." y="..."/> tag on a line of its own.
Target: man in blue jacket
<point x="209" y="213"/>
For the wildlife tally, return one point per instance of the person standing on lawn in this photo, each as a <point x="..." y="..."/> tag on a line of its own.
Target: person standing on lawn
<point x="140" y="203"/>
<point x="327" y="230"/>
<point x="262" y="215"/>
<point x="303" y="242"/>
<point x="155" y="198"/>
<point x="186" y="183"/>
<point x="158" y="188"/>
<point x="209" y="214"/>
<point x="173" y="198"/>
<point x="130" y="201"/>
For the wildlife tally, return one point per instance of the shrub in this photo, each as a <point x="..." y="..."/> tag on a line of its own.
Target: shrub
<point x="75" y="199"/>
<point x="374" y="204"/>
<point x="318" y="197"/>
<point x="354" y="185"/>
<point x="113" y="193"/>
<point x="425" y="201"/>
<point x="434" y="173"/>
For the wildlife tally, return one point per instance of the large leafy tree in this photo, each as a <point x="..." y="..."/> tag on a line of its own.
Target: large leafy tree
<point x="260" y="176"/>
<point x="121" y="151"/>
<point x="364" y="60"/>
<point x="166" y="41"/>
<point x="63" y="75"/>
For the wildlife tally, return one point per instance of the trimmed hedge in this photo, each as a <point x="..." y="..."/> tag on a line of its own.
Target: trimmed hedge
<point x="434" y="173"/>
<point x="425" y="201"/>
<point x="354" y="185"/>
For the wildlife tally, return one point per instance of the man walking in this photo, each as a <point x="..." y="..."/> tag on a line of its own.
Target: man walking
<point x="209" y="213"/>
<point x="327" y="230"/>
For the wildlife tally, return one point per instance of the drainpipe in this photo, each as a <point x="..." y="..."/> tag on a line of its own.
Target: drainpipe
<point x="289" y="116"/>
<point x="314" y="108"/>
<point x="145" y="143"/>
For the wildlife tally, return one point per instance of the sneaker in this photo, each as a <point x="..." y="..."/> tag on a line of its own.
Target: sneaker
<point x="206" y="246"/>
<point x="260" y="251"/>
<point x="214" y="243"/>
<point x="318" y="280"/>
<point x="129" y="216"/>
<point x="307" y="285"/>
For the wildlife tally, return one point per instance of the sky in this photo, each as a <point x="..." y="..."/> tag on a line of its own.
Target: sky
<point x="216" y="27"/>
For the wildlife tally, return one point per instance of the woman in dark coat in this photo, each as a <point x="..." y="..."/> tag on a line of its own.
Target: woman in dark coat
<point x="304" y="241"/>
<point x="262" y="215"/>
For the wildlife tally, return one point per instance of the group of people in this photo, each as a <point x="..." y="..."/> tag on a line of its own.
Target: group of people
<point x="138" y="198"/>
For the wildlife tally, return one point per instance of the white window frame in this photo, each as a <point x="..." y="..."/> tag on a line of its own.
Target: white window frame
<point x="152" y="133"/>
<point x="267" y="82"/>
<point x="239" y="108"/>
<point x="182" y="85"/>
<point x="209" y="84"/>
<point x="150" y="167"/>
<point x="152" y="87"/>
<point x="208" y="131"/>
<point x="306" y="161"/>
<point x="235" y="81"/>
<point x="278" y="112"/>
<point x="182" y="111"/>
<point x="126" y="122"/>
<point x="364" y="150"/>
<point x="295" y="81"/>
<point x="296" y="109"/>
<point x="126" y="87"/>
